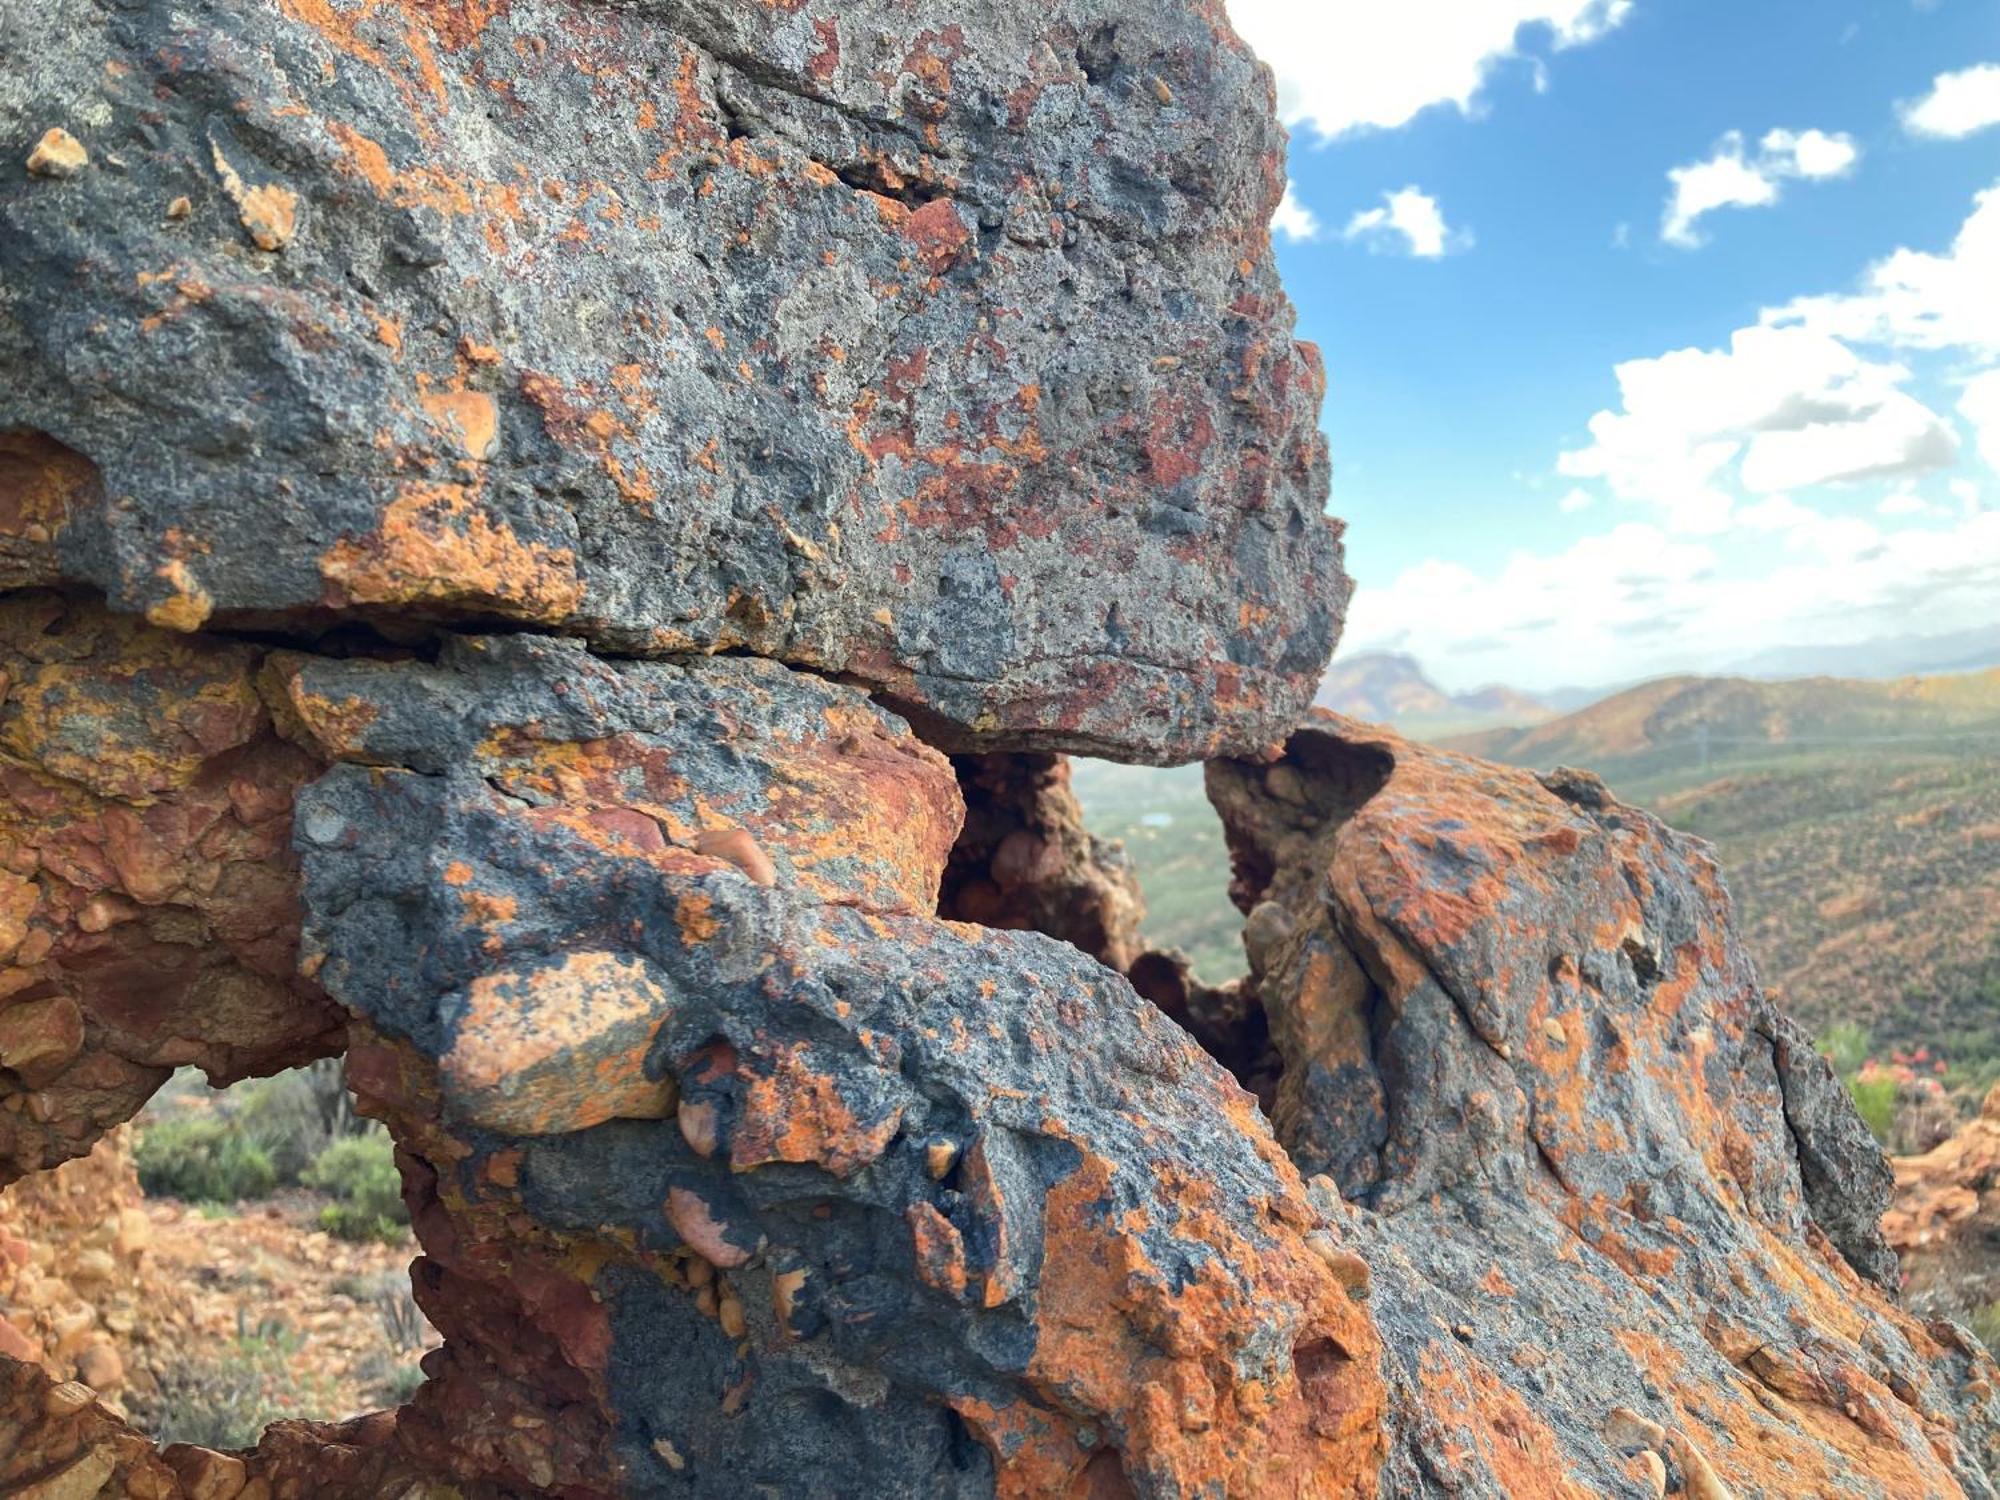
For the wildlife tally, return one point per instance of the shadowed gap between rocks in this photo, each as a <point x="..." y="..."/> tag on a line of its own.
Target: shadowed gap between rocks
<point x="1026" y="861"/>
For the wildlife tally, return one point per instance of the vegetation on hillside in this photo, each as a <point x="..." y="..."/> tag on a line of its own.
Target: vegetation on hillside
<point x="1857" y="825"/>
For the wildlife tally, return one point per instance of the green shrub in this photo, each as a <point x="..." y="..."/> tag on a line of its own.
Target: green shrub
<point x="1985" y="1323"/>
<point x="1846" y="1045"/>
<point x="281" y="1115"/>
<point x="203" y="1159"/>
<point x="226" y="1399"/>
<point x="359" y="1174"/>
<point x="1875" y="1097"/>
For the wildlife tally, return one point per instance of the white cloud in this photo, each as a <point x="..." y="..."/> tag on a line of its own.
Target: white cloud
<point x="1730" y="178"/>
<point x="1811" y="154"/>
<point x="1293" y="219"/>
<point x="1916" y="300"/>
<point x="1779" y="409"/>
<point x="1635" y="600"/>
<point x="1958" y="104"/>
<point x="1979" y="404"/>
<point x="1576" y="500"/>
<point x="1343" y="65"/>
<point x="1409" y="222"/>
<point x="1723" y="446"/>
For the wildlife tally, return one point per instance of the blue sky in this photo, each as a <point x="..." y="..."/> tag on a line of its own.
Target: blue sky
<point x="1482" y="238"/>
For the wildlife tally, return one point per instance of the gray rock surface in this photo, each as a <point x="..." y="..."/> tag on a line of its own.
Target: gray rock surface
<point x="941" y="352"/>
<point x="1591" y="1168"/>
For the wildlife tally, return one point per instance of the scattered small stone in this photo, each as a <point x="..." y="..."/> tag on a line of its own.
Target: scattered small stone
<point x="1553" y="1033"/>
<point x="70" y="1396"/>
<point x="740" y="850"/>
<point x="100" y="1368"/>
<point x="1348" y="1268"/>
<point x="269" y="213"/>
<point x="57" y="154"/>
<point x="180" y="208"/>
<point x="939" y="1158"/>
<point x="1699" y="1481"/>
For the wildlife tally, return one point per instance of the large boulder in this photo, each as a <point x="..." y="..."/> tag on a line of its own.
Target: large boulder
<point x="1624" y="1224"/>
<point x="727" y="1150"/>
<point x="941" y="351"/>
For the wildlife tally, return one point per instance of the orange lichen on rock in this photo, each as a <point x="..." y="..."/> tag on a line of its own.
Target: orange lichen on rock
<point x="42" y="484"/>
<point x="1137" y="1348"/>
<point x="438" y="547"/>
<point x="149" y="903"/>
<point x="793" y="1111"/>
<point x="471" y="417"/>
<point x="1518" y="1031"/>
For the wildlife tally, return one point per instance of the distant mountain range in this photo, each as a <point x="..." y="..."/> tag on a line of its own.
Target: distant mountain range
<point x="1392" y="688"/>
<point x="1686" y="719"/>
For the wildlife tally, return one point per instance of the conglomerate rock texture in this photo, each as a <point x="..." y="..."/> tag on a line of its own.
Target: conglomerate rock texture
<point x="1591" y="1168"/>
<point x="941" y="348"/>
<point x="553" y="546"/>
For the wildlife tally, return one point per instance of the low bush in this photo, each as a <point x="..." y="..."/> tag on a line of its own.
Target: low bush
<point x="1875" y="1097"/>
<point x="203" y="1159"/>
<point x="359" y="1174"/>
<point x="225" y="1400"/>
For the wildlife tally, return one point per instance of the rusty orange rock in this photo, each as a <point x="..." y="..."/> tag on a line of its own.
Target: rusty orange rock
<point x="149" y="902"/>
<point x="557" y="1048"/>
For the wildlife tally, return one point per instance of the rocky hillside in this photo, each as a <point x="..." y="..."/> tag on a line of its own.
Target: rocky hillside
<point x="1677" y="724"/>
<point x="1859" y="823"/>
<point x="552" y="548"/>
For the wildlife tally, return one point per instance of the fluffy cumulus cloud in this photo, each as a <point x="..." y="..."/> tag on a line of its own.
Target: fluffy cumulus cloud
<point x="1919" y="300"/>
<point x="1979" y="404"/>
<point x="1345" y="66"/>
<point x="1789" y="486"/>
<point x="1408" y="222"/>
<point x="1958" y="104"/>
<point x="1293" y="220"/>
<point x="1733" y="176"/>
<point x="1779" y="409"/>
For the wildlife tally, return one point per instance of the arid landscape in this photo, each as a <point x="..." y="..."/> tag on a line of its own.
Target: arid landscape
<point x="1858" y="826"/>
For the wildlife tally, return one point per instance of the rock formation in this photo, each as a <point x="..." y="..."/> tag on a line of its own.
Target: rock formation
<point x="944" y="351"/>
<point x="1945" y="1223"/>
<point x="509" y="512"/>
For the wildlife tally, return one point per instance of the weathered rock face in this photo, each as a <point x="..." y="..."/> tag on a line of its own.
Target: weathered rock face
<point x="148" y="893"/>
<point x="1593" y="1172"/>
<point x="773" y="1111"/>
<point x="1024" y="861"/>
<point x="769" y="1172"/>
<point x="941" y="351"/>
